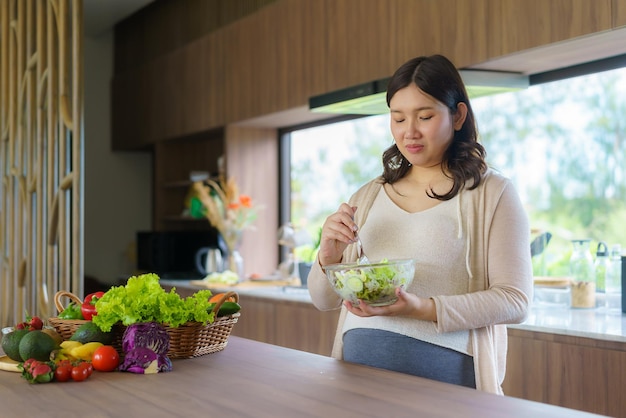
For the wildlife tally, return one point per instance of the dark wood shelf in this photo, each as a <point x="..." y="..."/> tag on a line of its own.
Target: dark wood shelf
<point x="174" y="161"/>
<point x="177" y="184"/>
<point x="181" y="218"/>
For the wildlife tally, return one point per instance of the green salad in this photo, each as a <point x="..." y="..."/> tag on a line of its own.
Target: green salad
<point x="374" y="284"/>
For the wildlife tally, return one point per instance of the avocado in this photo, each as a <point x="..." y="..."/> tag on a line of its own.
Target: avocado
<point x="38" y="345"/>
<point x="11" y="343"/>
<point x="90" y="332"/>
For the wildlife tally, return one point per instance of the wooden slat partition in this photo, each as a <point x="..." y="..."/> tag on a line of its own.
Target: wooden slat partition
<point x="41" y="148"/>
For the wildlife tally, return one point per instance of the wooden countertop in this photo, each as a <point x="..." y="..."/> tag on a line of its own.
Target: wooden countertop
<point x="253" y="379"/>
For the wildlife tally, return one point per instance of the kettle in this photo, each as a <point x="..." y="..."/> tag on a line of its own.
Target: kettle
<point x="209" y="260"/>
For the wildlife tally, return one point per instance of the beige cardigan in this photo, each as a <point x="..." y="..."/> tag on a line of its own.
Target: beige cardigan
<point x="498" y="261"/>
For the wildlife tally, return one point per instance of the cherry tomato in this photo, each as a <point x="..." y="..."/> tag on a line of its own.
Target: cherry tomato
<point x="79" y="373"/>
<point x="63" y="373"/>
<point x="86" y="365"/>
<point x="105" y="359"/>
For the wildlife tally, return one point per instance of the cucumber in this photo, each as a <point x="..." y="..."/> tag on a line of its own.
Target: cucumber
<point x="354" y="284"/>
<point x="228" y="308"/>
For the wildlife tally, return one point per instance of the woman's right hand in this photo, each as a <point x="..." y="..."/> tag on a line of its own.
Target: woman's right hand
<point x="338" y="232"/>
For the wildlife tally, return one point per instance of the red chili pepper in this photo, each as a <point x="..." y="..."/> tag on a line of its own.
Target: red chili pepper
<point x="88" y="308"/>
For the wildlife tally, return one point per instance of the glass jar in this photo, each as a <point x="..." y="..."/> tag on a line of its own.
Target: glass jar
<point x="582" y="271"/>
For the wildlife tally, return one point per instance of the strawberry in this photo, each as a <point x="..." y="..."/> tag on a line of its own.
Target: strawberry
<point x="37" y="371"/>
<point x="42" y="373"/>
<point x="32" y="323"/>
<point x="35" y="323"/>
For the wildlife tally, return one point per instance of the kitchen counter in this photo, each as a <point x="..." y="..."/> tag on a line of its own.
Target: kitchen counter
<point x="253" y="379"/>
<point x="587" y="323"/>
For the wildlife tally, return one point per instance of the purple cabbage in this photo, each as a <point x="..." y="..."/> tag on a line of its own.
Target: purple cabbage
<point x="143" y="360"/>
<point x="146" y="335"/>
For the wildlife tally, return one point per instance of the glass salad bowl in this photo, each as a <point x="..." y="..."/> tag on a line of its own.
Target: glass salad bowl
<point x="374" y="284"/>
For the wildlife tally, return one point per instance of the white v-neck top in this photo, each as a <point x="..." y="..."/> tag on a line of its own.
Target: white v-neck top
<point x="433" y="238"/>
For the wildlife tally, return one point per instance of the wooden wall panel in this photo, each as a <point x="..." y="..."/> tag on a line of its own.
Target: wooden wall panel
<point x="275" y="59"/>
<point x="516" y="26"/>
<point x="241" y="42"/>
<point x="619" y="13"/>
<point x="467" y="39"/>
<point x="252" y="159"/>
<point x="166" y="25"/>
<point x="357" y="41"/>
<point x="302" y="54"/>
<point x="125" y="104"/>
<point x="213" y="91"/>
<point x="193" y="87"/>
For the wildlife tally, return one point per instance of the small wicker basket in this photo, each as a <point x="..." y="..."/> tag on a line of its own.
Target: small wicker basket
<point x="192" y="339"/>
<point x="67" y="327"/>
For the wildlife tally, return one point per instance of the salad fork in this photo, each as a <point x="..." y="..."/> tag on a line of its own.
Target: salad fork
<point x="362" y="258"/>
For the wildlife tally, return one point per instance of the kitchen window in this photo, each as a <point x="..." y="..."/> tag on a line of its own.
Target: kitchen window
<point x="562" y="142"/>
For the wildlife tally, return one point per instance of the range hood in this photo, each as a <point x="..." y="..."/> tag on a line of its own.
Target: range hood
<point x="370" y="98"/>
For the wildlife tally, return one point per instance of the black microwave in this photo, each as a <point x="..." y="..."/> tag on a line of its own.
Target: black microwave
<point x="171" y="254"/>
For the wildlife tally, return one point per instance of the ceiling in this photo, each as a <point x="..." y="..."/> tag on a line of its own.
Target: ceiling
<point x="100" y="16"/>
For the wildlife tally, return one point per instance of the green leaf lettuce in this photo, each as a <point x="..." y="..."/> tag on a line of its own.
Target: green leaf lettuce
<point x="143" y="299"/>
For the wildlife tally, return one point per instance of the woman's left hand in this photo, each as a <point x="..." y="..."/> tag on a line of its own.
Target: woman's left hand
<point x="407" y="304"/>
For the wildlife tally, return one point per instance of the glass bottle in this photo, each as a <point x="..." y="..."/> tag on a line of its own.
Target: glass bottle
<point x="601" y="265"/>
<point x="583" y="275"/>
<point x="614" y="282"/>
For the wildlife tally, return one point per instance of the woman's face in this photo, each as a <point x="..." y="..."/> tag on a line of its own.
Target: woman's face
<point x="422" y="127"/>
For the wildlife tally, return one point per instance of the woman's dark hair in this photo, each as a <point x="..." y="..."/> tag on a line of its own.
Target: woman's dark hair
<point x="464" y="158"/>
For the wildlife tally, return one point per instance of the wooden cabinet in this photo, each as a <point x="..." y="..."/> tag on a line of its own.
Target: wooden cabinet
<point x="619" y="13"/>
<point x="575" y="372"/>
<point x="287" y="323"/>
<point x="272" y="61"/>
<point x="173" y="162"/>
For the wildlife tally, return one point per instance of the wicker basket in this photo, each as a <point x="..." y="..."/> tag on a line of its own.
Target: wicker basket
<point x="194" y="339"/>
<point x="189" y="340"/>
<point x="67" y="327"/>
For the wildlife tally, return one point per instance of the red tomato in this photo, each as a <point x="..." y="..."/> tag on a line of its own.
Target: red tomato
<point x="63" y="373"/>
<point x="86" y="365"/>
<point x="79" y="373"/>
<point x="105" y="359"/>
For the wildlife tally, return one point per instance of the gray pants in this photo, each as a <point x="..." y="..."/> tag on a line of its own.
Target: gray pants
<point x="396" y="352"/>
